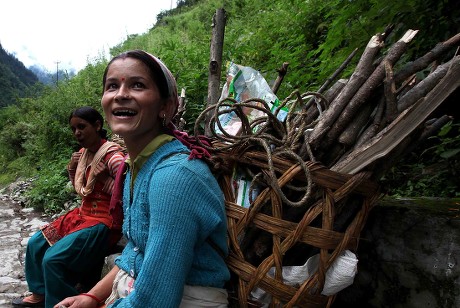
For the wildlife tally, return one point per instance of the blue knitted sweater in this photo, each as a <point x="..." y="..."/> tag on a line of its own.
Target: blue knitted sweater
<point x="176" y="205"/>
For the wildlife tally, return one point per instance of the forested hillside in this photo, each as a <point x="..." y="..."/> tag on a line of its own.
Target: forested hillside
<point x="15" y="78"/>
<point x="314" y="37"/>
<point x="17" y="81"/>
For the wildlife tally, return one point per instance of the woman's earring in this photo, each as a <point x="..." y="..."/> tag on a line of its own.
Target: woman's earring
<point x="164" y="120"/>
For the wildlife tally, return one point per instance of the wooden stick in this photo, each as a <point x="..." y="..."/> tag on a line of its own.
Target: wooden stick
<point x="338" y="71"/>
<point x="422" y="62"/>
<point x="282" y="71"/>
<point x="215" y="63"/>
<point x="391" y="112"/>
<point x="330" y="95"/>
<point x="375" y="127"/>
<point x="365" y="91"/>
<point x="422" y="88"/>
<point x="350" y="134"/>
<point x="362" y="71"/>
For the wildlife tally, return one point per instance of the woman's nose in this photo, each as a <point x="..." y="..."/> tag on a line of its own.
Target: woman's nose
<point x="122" y="93"/>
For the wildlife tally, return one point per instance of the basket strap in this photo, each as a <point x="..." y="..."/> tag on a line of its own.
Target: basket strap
<point x="216" y="248"/>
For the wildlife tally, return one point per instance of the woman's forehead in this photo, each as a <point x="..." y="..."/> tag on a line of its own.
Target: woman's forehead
<point x="127" y="65"/>
<point x="78" y="121"/>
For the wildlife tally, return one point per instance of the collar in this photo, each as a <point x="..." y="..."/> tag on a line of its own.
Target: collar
<point x="149" y="149"/>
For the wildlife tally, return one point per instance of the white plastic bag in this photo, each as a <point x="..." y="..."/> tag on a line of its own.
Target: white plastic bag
<point x="244" y="83"/>
<point x="339" y="275"/>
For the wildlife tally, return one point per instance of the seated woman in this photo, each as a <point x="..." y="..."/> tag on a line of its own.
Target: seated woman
<point x="76" y="243"/>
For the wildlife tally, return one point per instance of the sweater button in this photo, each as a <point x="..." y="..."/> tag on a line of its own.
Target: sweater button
<point x="136" y="248"/>
<point x="131" y="273"/>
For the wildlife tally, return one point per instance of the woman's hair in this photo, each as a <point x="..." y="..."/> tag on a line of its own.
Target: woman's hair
<point x="90" y="115"/>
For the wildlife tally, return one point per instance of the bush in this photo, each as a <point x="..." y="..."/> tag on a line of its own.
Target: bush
<point x="432" y="171"/>
<point x="51" y="190"/>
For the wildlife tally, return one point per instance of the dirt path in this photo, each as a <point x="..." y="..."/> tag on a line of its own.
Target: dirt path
<point x="16" y="226"/>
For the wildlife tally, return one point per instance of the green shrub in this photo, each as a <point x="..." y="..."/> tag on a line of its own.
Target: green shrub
<point x="430" y="172"/>
<point x="50" y="190"/>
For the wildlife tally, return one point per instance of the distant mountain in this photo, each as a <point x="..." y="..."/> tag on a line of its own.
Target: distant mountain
<point x="43" y="75"/>
<point x="15" y="78"/>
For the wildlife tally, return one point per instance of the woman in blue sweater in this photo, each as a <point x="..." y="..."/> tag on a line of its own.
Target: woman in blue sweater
<point x="174" y="214"/>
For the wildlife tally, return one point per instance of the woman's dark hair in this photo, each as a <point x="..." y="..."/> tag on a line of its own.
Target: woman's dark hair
<point x="92" y="116"/>
<point x="156" y="72"/>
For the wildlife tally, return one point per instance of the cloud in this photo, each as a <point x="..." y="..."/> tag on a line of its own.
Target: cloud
<point x="71" y="33"/>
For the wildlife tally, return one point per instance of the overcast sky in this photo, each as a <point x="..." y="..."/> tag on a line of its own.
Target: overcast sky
<point x="66" y="33"/>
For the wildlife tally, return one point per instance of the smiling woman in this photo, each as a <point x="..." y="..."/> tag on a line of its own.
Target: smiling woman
<point x="174" y="215"/>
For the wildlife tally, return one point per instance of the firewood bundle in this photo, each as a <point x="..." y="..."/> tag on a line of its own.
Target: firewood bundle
<point x="381" y="114"/>
<point x="314" y="175"/>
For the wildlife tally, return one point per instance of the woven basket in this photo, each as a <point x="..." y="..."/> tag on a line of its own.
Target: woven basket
<point x="315" y="228"/>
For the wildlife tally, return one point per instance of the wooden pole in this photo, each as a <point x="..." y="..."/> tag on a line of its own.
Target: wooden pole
<point x="282" y="71"/>
<point x="215" y="63"/>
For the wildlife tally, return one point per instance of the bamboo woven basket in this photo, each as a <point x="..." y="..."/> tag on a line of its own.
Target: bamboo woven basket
<point x="334" y="190"/>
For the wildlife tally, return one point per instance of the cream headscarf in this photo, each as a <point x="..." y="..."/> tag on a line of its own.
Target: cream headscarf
<point x="169" y="81"/>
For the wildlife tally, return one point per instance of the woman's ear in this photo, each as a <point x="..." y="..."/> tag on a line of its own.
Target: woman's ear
<point x="168" y="111"/>
<point x="98" y="125"/>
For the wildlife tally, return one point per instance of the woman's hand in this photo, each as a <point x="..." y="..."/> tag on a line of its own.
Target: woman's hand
<point x="74" y="160"/>
<point x="90" y="300"/>
<point x="79" y="301"/>
<point x="101" y="171"/>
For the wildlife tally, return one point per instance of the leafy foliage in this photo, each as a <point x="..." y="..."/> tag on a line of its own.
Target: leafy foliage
<point x="51" y="189"/>
<point x="313" y="36"/>
<point x="430" y="172"/>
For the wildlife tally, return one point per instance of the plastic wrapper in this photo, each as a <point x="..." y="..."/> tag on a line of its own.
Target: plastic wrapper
<point x="245" y="83"/>
<point x="339" y="275"/>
